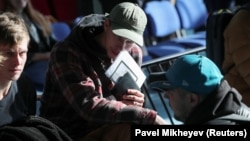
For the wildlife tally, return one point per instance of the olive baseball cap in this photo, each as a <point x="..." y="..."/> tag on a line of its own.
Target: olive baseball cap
<point x="128" y="20"/>
<point x="195" y="73"/>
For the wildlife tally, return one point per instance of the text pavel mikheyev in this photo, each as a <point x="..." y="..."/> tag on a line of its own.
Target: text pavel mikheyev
<point x="188" y="134"/>
<point x="168" y="132"/>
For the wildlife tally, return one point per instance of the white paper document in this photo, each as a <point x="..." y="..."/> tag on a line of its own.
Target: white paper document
<point x="125" y="63"/>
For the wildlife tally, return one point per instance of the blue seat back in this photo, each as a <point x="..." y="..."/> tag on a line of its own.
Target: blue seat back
<point x="193" y="13"/>
<point x="163" y="18"/>
<point x="60" y="30"/>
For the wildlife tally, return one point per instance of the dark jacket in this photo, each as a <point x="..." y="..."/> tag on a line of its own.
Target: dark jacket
<point x="33" y="128"/>
<point x="225" y="101"/>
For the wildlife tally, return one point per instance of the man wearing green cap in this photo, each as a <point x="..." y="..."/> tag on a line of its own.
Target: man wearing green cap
<point x="198" y="94"/>
<point x="78" y="96"/>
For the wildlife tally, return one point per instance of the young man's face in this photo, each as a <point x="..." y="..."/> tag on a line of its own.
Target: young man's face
<point x="12" y="60"/>
<point x="115" y="44"/>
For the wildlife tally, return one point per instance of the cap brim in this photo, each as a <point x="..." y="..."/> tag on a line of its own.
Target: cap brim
<point x="161" y="86"/>
<point x="159" y="82"/>
<point x="126" y="33"/>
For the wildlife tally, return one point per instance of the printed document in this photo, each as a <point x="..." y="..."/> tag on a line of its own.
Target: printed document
<point x="124" y="63"/>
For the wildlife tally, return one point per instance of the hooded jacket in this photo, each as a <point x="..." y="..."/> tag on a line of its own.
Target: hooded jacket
<point x="224" y="101"/>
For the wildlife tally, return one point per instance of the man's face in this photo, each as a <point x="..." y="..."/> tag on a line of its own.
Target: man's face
<point x="12" y="60"/>
<point x="115" y="44"/>
<point x="179" y="101"/>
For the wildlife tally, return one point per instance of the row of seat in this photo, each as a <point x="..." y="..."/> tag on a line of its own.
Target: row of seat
<point x="170" y="27"/>
<point x="173" y="28"/>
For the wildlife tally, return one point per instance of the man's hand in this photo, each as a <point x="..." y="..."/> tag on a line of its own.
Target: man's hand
<point x="133" y="97"/>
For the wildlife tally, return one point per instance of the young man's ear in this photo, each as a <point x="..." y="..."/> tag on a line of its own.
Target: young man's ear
<point x="194" y="99"/>
<point x="107" y="23"/>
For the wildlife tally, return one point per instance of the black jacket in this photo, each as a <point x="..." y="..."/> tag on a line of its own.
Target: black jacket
<point x="33" y="128"/>
<point x="225" y="101"/>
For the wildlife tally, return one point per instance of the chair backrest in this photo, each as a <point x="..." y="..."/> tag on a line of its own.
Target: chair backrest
<point x="193" y="13"/>
<point x="60" y="30"/>
<point x="163" y="25"/>
<point x="163" y="18"/>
